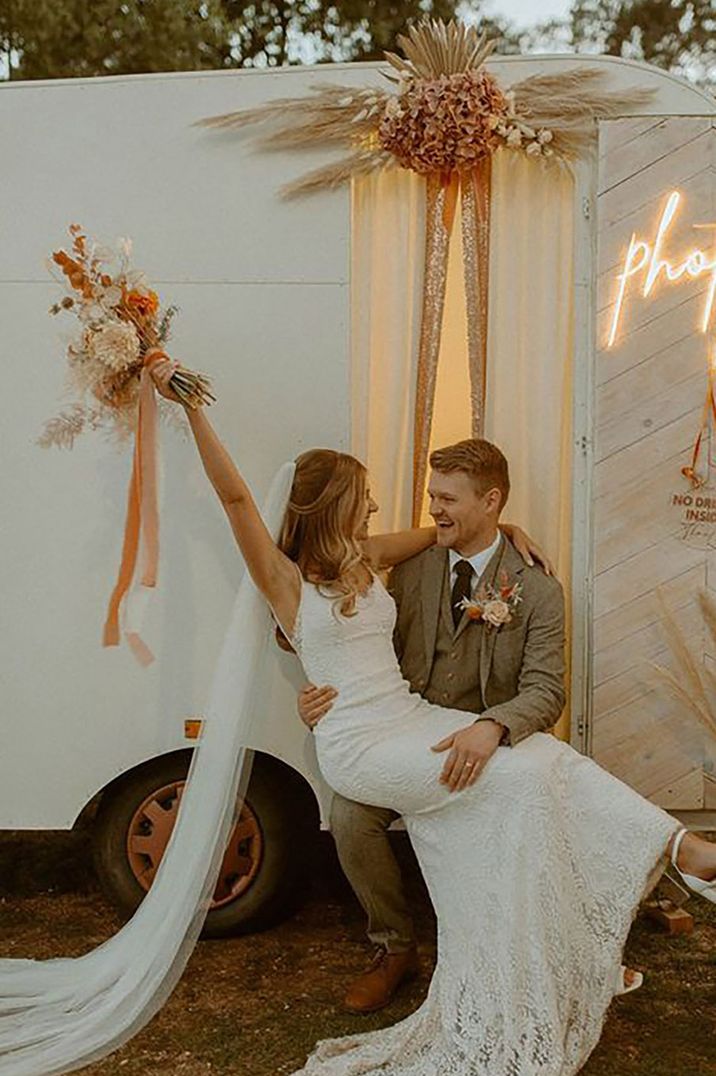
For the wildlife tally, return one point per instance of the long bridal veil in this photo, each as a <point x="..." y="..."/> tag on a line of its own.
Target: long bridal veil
<point x="59" y="1015"/>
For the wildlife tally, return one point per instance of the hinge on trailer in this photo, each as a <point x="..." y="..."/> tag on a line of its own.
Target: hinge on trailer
<point x="586" y="207"/>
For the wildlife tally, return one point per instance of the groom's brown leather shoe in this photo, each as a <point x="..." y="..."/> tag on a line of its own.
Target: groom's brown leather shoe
<point x="375" y="988"/>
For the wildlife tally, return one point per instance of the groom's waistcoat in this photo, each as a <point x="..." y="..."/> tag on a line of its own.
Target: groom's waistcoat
<point x="453" y="681"/>
<point x="514" y="673"/>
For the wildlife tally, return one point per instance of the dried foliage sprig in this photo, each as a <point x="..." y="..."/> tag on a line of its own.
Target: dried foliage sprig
<point x="447" y="113"/>
<point x="69" y="424"/>
<point x="120" y="320"/>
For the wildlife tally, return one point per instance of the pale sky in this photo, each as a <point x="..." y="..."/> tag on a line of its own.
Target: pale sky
<point x="528" y="12"/>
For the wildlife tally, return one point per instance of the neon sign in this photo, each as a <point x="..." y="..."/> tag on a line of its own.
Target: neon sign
<point x="648" y="259"/>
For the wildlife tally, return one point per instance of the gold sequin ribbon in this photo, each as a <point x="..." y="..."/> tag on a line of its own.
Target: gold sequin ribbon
<point x="441" y="206"/>
<point x="476" y="269"/>
<point x="437" y="245"/>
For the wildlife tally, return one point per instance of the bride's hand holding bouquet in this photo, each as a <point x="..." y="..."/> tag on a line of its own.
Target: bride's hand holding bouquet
<point x="161" y="370"/>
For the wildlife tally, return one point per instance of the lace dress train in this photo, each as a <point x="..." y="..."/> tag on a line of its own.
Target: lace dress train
<point x="535" y="872"/>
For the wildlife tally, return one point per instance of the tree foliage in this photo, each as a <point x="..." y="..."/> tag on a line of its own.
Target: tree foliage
<point x="678" y="35"/>
<point x="70" y="38"/>
<point x="66" y="38"/>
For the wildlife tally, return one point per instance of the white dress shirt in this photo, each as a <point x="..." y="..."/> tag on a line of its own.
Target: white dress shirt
<point x="479" y="561"/>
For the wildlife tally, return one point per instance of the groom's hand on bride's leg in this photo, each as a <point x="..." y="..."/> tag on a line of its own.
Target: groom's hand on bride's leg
<point x="469" y="750"/>
<point x="314" y="703"/>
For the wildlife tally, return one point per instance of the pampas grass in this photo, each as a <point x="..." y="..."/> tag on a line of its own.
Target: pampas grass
<point x="330" y="114"/>
<point x="569" y="104"/>
<point x="693" y="684"/>
<point x="330" y="176"/>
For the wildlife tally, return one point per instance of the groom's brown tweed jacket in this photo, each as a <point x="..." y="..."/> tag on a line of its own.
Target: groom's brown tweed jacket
<point x="513" y="674"/>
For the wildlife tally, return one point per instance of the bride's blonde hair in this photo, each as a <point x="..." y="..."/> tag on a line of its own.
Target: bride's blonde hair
<point x="325" y="511"/>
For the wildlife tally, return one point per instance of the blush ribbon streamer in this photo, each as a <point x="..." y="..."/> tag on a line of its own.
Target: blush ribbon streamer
<point x="141" y="530"/>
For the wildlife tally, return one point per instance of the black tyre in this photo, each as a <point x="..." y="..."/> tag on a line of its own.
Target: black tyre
<point x="260" y="878"/>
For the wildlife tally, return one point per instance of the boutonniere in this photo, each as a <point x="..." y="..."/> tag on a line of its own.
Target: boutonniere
<point x="494" y="605"/>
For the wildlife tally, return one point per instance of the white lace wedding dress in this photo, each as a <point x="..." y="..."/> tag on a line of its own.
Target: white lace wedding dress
<point x="536" y="871"/>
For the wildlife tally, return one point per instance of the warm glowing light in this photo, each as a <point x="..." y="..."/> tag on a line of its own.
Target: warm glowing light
<point x="642" y="255"/>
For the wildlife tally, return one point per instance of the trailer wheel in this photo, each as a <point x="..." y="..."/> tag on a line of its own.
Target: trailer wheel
<point x="260" y="877"/>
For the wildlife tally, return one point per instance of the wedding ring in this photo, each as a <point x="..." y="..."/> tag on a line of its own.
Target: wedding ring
<point x="468" y="765"/>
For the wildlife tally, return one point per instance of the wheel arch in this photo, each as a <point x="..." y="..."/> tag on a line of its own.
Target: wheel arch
<point x="301" y="784"/>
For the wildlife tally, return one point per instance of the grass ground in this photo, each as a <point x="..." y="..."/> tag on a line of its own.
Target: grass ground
<point x="254" y="1006"/>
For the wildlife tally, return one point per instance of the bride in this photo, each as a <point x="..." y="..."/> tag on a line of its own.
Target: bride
<point x="535" y="871"/>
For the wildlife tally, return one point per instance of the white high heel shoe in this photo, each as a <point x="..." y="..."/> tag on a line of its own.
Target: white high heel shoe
<point x="705" y="889"/>
<point x="621" y="984"/>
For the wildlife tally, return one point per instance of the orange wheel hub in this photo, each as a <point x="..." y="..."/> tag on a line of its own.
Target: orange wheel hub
<point x="151" y="827"/>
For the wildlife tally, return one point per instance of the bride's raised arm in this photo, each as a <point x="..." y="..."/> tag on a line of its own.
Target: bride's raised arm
<point x="272" y="571"/>
<point x="387" y="550"/>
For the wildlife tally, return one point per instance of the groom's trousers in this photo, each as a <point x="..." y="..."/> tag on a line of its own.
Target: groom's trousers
<point x="368" y="861"/>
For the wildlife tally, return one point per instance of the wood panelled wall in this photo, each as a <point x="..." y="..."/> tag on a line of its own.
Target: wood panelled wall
<point x="650" y="389"/>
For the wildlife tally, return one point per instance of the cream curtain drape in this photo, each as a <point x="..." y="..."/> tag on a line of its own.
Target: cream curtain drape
<point x="388" y="212"/>
<point x="529" y="347"/>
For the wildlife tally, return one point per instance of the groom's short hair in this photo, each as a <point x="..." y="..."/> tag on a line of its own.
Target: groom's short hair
<point x="480" y="460"/>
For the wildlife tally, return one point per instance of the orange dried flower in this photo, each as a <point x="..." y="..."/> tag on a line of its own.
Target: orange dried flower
<point x="74" y="272"/>
<point x="142" y="304"/>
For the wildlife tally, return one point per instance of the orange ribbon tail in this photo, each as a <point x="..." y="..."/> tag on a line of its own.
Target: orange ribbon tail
<point x="142" y="520"/>
<point x="691" y="472"/>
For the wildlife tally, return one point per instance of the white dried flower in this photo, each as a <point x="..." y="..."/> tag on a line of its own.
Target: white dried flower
<point x="124" y="246"/>
<point x="91" y="311"/>
<point x="514" y="137"/>
<point x="115" y="345"/>
<point x="544" y="135"/>
<point x="534" y="149"/>
<point x="103" y="253"/>
<point x="111" y="296"/>
<point x="496" y="612"/>
<point x="138" y="281"/>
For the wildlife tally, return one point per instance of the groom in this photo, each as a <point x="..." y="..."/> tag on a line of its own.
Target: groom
<point x="508" y="672"/>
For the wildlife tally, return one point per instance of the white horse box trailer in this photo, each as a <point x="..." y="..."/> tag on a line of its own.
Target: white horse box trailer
<point x="265" y="295"/>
